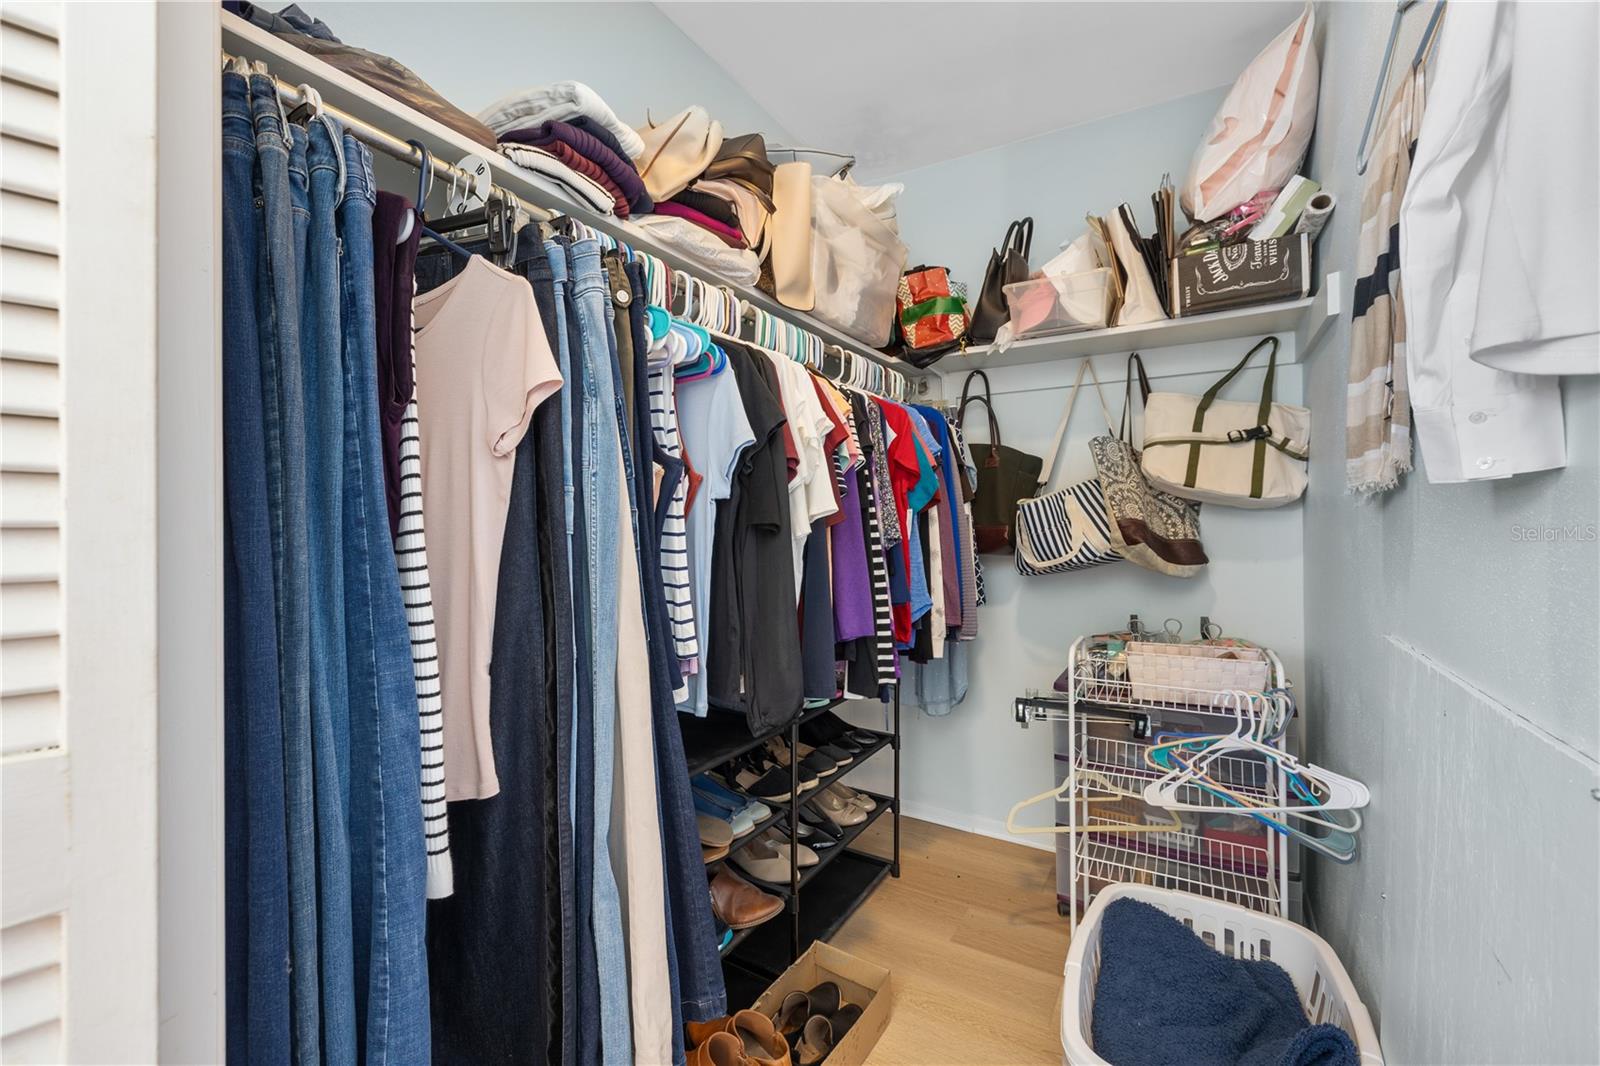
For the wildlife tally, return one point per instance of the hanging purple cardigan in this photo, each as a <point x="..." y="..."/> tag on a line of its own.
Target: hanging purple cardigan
<point x="618" y="168"/>
<point x="393" y="268"/>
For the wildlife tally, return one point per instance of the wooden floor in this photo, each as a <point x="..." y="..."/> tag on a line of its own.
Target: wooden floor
<point x="974" y="947"/>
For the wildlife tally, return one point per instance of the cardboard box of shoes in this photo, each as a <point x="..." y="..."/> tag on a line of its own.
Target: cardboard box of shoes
<point x="860" y="1008"/>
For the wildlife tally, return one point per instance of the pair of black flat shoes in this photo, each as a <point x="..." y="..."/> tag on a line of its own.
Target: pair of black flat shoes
<point x="828" y="728"/>
<point x="814" y="1022"/>
<point x="827" y="743"/>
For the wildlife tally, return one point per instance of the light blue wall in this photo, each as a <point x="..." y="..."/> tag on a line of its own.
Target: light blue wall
<point x="967" y="769"/>
<point x="475" y="53"/>
<point x="1452" y="667"/>
<point x="953" y="213"/>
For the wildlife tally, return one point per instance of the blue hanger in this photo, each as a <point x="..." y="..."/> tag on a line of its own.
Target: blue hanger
<point x="446" y="243"/>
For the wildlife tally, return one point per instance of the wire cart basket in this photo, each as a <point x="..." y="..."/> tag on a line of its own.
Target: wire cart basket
<point x="1115" y="704"/>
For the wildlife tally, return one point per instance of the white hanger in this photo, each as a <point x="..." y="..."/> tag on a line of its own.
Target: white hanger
<point x="1112" y="794"/>
<point x="1340" y="793"/>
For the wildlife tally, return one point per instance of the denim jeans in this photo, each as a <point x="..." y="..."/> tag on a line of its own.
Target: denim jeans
<point x="653" y="970"/>
<point x="534" y="263"/>
<point x="322" y="360"/>
<point x="553" y="424"/>
<point x="486" y="943"/>
<point x="257" y="902"/>
<point x="600" y="490"/>
<point x="285" y="221"/>
<point x="388" y="855"/>
<point x="698" y="990"/>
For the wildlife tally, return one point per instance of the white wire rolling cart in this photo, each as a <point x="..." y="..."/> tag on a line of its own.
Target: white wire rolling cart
<point x="1106" y="834"/>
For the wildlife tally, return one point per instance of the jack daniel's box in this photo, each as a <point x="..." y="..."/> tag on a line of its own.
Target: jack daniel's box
<point x="1242" y="274"/>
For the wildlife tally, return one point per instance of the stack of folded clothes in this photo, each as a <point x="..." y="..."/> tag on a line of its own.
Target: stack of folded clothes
<point x="393" y="79"/>
<point x="566" y="132"/>
<point x="732" y="199"/>
<point x="721" y="217"/>
<point x="593" y="153"/>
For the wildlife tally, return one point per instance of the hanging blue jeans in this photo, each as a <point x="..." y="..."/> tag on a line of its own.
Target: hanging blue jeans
<point x="257" y="903"/>
<point x="577" y="949"/>
<point x="323" y="363"/>
<point x="600" y="486"/>
<point x="388" y="856"/>
<point x="697" y="967"/>
<point x="554" y="545"/>
<point x="283" y="196"/>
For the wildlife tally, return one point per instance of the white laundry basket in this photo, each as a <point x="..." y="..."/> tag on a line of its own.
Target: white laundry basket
<point x="1325" y="989"/>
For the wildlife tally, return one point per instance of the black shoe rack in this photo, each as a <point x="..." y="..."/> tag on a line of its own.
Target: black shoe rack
<point x="819" y="899"/>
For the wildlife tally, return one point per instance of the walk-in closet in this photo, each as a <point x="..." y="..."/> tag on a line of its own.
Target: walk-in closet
<point x="771" y="534"/>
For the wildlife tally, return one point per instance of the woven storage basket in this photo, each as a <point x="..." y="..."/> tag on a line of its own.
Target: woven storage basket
<point x="1194" y="673"/>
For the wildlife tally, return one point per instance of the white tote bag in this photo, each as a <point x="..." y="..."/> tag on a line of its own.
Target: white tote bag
<point x="1068" y="529"/>
<point x="1226" y="451"/>
<point x="1259" y="135"/>
<point x="1140" y="304"/>
<point x="856" y="262"/>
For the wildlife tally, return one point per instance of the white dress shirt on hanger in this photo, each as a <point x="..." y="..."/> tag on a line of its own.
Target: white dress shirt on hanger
<point x="1472" y="421"/>
<point x="1539" y="293"/>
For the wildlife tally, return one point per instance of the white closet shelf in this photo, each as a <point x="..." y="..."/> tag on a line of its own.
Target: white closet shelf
<point x="1307" y="318"/>
<point x="241" y="37"/>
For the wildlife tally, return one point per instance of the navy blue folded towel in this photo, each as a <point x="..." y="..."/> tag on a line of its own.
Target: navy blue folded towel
<point x="1165" y="998"/>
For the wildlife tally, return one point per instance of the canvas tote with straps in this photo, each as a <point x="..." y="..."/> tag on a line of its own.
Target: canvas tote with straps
<point x="1155" y="529"/>
<point x="1068" y="529"/>
<point x="1227" y="451"/>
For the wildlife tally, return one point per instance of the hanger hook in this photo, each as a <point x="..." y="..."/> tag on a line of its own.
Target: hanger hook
<point x="424" y="176"/>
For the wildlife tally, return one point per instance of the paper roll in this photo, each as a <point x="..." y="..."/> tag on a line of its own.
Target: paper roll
<point x="1315" y="216"/>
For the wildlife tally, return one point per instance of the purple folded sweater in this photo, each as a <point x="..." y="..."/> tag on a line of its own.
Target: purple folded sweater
<point x="618" y="168"/>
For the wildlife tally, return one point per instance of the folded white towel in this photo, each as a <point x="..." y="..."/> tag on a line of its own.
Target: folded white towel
<point x="558" y="101"/>
<point x="582" y="187"/>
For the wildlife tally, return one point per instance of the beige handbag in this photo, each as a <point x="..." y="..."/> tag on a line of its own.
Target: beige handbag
<point x="1140" y="304"/>
<point x="790" y="227"/>
<point x="678" y="151"/>
<point x="1228" y="452"/>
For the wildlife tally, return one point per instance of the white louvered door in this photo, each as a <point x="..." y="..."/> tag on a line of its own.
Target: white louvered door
<point x="77" y="533"/>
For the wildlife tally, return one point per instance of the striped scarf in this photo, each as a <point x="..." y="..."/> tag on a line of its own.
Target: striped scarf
<point x="1378" y="405"/>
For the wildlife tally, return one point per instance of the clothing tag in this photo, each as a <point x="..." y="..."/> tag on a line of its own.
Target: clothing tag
<point x="465" y="195"/>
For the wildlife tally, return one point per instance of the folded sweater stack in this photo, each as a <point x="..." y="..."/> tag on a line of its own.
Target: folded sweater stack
<point x="567" y="131"/>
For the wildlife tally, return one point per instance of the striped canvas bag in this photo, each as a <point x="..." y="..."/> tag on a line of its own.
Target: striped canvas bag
<point x="1068" y="529"/>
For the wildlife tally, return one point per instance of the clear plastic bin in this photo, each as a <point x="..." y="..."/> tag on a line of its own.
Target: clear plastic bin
<point x="1065" y="303"/>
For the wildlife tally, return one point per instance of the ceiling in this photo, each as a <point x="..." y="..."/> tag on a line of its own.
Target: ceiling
<point x="902" y="85"/>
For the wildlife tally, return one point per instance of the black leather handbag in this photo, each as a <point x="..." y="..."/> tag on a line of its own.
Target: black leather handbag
<point x="1005" y="475"/>
<point x="1007" y="264"/>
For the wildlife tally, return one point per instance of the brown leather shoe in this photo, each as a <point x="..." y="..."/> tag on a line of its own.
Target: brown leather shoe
<point x="739" y="903"/>
<point x="757" y="1040"/>
<point x="719" y="1049"/>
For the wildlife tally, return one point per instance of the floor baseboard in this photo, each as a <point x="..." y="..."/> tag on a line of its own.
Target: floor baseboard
<point x="994" y="828"/>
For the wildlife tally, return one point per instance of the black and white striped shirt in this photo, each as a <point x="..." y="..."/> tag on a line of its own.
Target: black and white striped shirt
<point x="411" y="556"/>
<point x="674" y="531"/>
<point x="878" y="565"/>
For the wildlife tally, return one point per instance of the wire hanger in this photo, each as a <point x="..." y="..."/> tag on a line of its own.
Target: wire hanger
<point x="1363" y="159"/>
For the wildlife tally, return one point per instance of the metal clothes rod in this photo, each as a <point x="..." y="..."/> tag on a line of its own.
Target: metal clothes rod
<point x="383" y="141"/>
